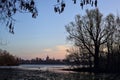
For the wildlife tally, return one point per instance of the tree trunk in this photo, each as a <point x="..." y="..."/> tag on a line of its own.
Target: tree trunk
<point x="108" y="58"/>
<point x="90" y="62"/>
<point x="96" y="59"/>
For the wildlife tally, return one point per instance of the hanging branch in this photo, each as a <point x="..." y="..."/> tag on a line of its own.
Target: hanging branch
<point x="60" y="6"/>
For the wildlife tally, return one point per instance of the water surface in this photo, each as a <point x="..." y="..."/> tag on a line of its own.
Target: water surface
<point x="49" y="72"/>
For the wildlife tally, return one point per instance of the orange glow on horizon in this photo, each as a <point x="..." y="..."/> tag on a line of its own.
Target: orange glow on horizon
<point x="57" y="52"/>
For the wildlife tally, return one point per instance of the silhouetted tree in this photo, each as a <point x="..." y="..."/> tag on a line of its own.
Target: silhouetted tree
<point x="90" y="32"/>
<point x="6" y="59"/>
<point x="74" y="57"/>
<point x="113" y="26"/>
<point x="110" y="26"/>
<point x="78" y="57"/>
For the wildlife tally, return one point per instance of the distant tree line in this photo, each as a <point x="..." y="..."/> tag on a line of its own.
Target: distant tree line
<point x="96" y="41"/>
<point x="42" y="61"/>
<point x="6" y="59"/>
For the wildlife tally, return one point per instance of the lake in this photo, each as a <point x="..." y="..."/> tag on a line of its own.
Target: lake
<point x="49" y="72"/>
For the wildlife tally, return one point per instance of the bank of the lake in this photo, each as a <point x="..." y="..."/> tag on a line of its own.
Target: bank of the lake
<point x="52" y="72"/>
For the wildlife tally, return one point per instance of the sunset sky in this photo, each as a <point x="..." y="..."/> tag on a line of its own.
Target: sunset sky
<point x="46" y="34"/>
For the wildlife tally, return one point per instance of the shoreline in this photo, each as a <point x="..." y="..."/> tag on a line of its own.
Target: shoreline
<point x="61" y="69"/>
<point x="90" y="70"/>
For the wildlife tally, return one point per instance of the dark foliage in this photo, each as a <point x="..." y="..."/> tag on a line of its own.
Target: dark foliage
<point x="6" y="59"/>
<point x="60" y="6"/>
<point x="8" y="8"/>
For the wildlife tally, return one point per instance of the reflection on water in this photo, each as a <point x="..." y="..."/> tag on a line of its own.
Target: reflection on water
<point x="22" y="74"/>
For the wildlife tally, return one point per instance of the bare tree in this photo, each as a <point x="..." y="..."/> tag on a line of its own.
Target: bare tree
<point x="113" y="26"/>
<point x="79" y="57"/>
<point x="74" y="57"/>
<point x="90" y="31"/>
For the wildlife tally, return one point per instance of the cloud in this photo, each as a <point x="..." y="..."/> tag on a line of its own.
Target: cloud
<point x="58" y="51"/>
<point x="56" y="48"/>
<point x="47" y="50"/>
<point x="61" y="47"/>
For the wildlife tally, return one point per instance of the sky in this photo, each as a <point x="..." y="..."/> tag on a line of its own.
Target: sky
<point x="46" y="35"/>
